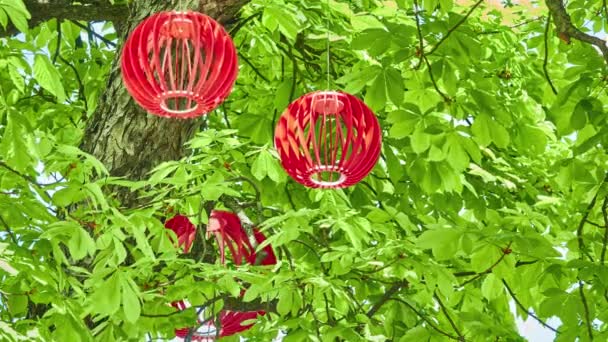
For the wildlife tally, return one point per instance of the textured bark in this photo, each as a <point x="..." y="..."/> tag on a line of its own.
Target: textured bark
<point x="566" y="30"/>
<point x="127" y="140"/>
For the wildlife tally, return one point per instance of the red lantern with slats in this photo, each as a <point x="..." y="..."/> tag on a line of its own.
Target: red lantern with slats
<point x="184" y="229"/>
<point x="328" y="139"/>
<point x="179" y="64"/>
<point x="228" y="230"/>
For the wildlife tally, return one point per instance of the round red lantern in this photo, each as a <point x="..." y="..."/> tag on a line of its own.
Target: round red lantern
<point x="328" y="139"/>
<point x="228" y="230"/>
<point x="179" y="64"/>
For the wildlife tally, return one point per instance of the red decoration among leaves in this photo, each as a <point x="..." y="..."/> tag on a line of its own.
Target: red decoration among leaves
<point x="228" y="230"/>
<point x="179" y="64"/>
<point x="328" y="139"/>
<point x="184" y="229"/>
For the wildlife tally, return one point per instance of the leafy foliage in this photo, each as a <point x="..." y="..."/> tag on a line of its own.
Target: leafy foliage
<point x="491" y="189"/>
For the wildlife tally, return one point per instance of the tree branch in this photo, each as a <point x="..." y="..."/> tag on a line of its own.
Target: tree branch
<point x="445" y="312"/>
<point x="586" y="307"/>
<point x="581" y="225"/>
<point x="566" y="30"/>
<point x="9" y="231"/>
<point x="546" y="59"/>
<point x="86" y="10"/>
<point x="605" y="240"/>
<point x="451" y="30"/>
<point x="523" y="308"/>
<point x="97" y="35"/>
<point x="429" y="322"/>
<point x="444" y="96"/>
<point x="420" y="40"/>
<point x="387" y="295"/>
<point x="505" y="251"/>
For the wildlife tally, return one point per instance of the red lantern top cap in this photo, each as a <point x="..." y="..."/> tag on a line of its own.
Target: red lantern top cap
<point x="328" y="139"/>
<point x="179" y="64"/>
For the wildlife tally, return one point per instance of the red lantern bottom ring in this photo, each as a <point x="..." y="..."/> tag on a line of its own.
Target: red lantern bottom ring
<point x="316" y="173"/>
<point x="178" y="97"/>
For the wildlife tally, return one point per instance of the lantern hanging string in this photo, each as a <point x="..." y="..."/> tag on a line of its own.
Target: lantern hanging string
<point x="327" y="28"/>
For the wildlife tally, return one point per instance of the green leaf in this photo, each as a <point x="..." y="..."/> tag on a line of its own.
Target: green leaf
<point x="17" y="12"/>
<point x="48" y="77"/>
<point x="491" y="287"/>
<point x="106" y="299"/>
<point x="363" y="22"/>
<point x="130" y="299"/>
<point x="285" y="301"/>
<point x="420" y="140"/>
<point x="482" y="129"/>
<point x="375" y="97"/>
<point x="266" y="165"/>
<point x="394" y="85"/>
<point x="17" y="304"/>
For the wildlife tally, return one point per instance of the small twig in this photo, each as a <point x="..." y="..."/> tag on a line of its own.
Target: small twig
<point x="445" y="97"/>
<point x="253" y="67"/>
<point x="244" y="22"/>
<point x="420" y="40"/>
<point x="24" y="177"/>
<point x="255" y="187"/>
<point x="523" y="308"/>
<point x="54" y="59"/>
<point x="489" y="269"/>
<point x="460" y="22"/>
<point x="226" y="115"/>
<point x="605" y="240"/>
<point x="586" y="307"/>
<point x="581" y="225"/>
<point x="9" y="231"/>
<point x="546" y="60"/>
<point x="595" y="224"/>
<point x="445" y="312"/>
<point x="428" y="321"/>
<point x="387" y="295"/>
<point x="81" y="92"/>
<point x="95" y="34"/>
<point x="513" y="26"/>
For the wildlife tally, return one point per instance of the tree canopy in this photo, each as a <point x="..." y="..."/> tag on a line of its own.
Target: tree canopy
<point x="491" y="191"/>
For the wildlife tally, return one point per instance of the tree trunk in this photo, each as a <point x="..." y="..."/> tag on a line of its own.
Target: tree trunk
<point x="127" y="140"/>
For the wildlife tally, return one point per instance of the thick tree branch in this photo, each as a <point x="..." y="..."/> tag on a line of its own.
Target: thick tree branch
<point x="523" y="308"/>
<point x="566" y="30"/>
<point x="86" y="10"/>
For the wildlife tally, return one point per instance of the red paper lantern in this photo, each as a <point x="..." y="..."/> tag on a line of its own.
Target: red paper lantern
<point x="184" y="229"/>
<point x="228" y="230"/>
<point x="328" y="139"/>
<point x="179" y="64"/>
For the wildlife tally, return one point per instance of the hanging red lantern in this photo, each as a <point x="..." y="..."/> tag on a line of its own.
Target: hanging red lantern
<point x="179" y="64"/>
<point x="328" y="139"/>
<point x="184" y="229"/>
<point x="228" y="230"/>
